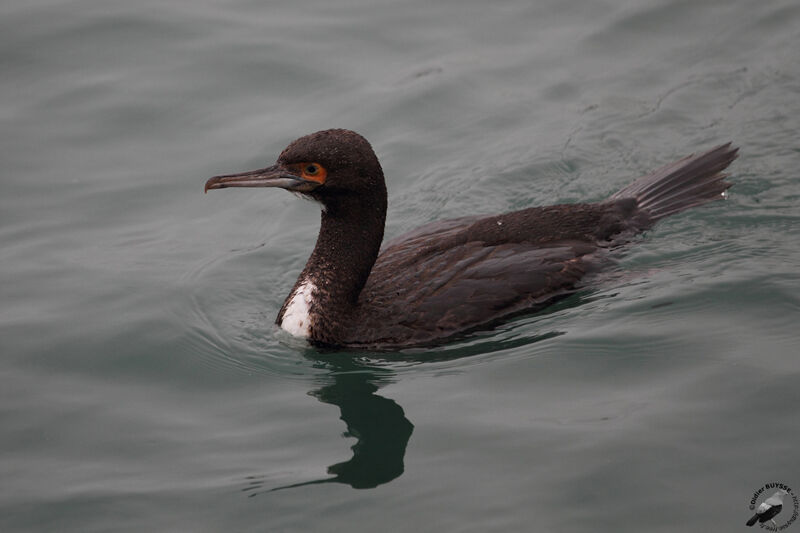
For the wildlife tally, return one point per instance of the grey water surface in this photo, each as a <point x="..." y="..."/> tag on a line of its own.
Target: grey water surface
<point x="143" y="386"/>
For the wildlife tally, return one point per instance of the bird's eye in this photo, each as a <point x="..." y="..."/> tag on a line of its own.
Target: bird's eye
<point x="312" y="172"/>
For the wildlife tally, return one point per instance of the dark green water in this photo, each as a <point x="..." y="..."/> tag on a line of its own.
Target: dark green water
<point x="143" y="387"/>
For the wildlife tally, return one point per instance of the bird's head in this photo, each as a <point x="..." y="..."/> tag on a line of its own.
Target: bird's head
<point x="323" y="166"/>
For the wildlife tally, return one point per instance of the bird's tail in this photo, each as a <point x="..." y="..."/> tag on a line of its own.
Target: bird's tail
<point x="688" y="182"/>
<point x="753" y="520"/>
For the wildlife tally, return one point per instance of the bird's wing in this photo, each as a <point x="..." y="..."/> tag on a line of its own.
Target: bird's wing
<point x="452" y="290"/>
<point x="763" y="507"/>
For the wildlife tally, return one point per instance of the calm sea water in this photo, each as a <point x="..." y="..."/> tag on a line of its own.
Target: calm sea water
<point x="144" y="388"/>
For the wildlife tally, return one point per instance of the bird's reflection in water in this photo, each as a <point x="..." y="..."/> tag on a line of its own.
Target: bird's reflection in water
<point x="378" y="424"/>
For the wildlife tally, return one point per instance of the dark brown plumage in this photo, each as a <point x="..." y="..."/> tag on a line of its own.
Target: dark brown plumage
<point x="448" y="277"/>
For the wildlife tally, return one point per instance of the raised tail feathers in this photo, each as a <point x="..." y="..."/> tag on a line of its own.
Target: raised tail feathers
<point x="688" y="182"/>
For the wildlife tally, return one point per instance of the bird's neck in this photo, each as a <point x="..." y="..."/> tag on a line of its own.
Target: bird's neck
<point x="349" y="240"/>
<point x="347" y="246"/>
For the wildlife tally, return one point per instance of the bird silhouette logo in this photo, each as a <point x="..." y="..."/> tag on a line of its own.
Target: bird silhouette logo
<point x="780" y="500"/>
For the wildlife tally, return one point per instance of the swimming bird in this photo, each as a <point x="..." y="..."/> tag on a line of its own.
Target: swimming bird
<point x="449" y="277"/>
<point x="769" y="509"/>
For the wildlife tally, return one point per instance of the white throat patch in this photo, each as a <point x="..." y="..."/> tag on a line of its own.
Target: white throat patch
<point x="296" y="319"/>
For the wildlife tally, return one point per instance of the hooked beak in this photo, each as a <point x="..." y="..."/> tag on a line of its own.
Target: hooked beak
<point x="274" y="176"/>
